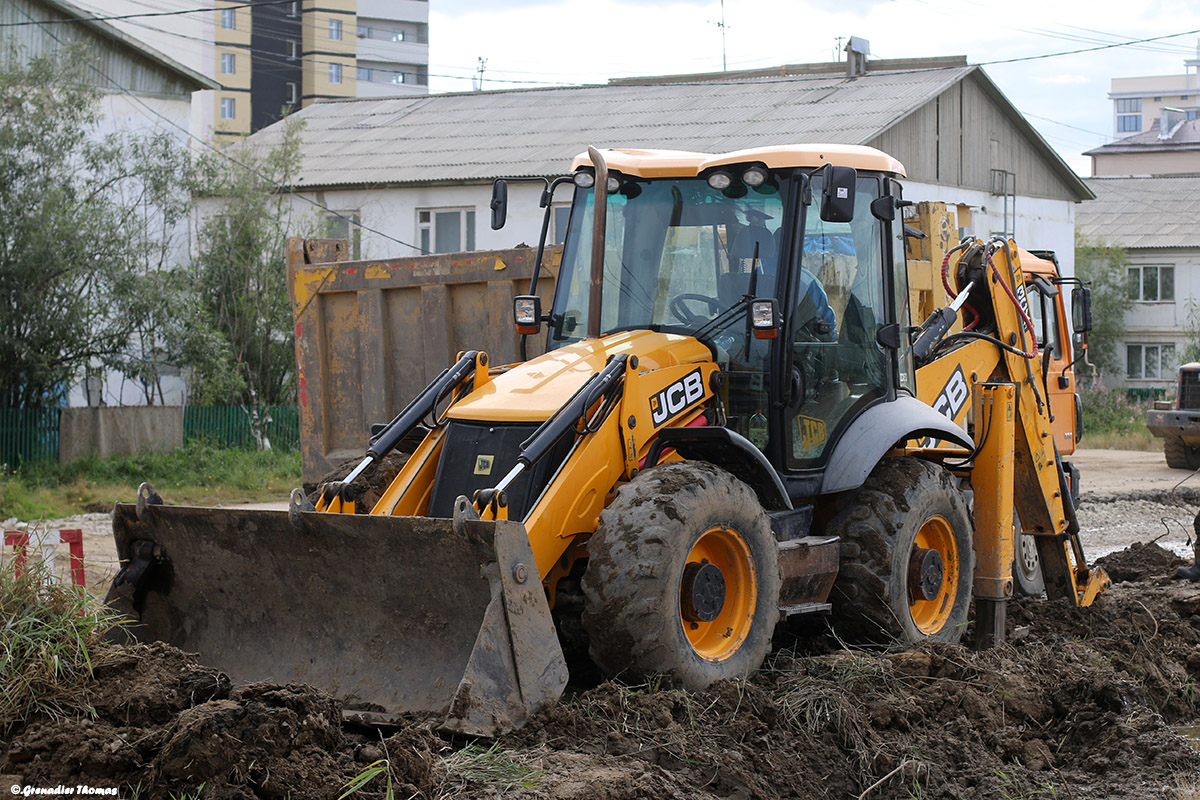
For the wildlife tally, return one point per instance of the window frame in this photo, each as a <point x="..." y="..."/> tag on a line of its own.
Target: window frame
<point x="335" y="72"/>
<point x="1140" y="282"/>
<point x="228" y="64"/>
<point x="335" y="29"/>
<point x="427" y="228"/>
<point x="229" y="19"/>
<point x="228" y="108"/>
<point x="1166" y="363"/>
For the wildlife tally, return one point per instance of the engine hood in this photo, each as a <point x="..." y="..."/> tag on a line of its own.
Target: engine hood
<point x="535" y="389"/>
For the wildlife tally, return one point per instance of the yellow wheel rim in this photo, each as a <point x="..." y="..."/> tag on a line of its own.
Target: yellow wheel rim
<point x="719" y="638"/>
<point x="931" y="615"/>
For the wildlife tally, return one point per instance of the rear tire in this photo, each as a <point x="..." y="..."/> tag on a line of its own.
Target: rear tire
<point x="653" y="602"/>
<point x="1179" y="454"/>
<point x="1027" y="567"/>
<point x="907" y="524"/>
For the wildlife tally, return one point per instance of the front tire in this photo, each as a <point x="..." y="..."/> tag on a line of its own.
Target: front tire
<point x="1179" y="454"/>
<point x="907" y="563"/>
<point x="682" y="578"/>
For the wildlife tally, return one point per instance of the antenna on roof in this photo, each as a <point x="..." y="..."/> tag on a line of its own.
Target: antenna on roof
<point x="721" y="24"/>
<point x="479" y="74"/>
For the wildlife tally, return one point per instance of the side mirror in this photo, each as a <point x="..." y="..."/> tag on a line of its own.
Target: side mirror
<point x="837" y="193"/>
<point x="499" y="203"/>
<point x="1081" y="309"/>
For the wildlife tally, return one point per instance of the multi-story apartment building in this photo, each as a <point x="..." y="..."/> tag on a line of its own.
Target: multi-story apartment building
<point x="1138" y="102"/>
<point x="272" y="58"/>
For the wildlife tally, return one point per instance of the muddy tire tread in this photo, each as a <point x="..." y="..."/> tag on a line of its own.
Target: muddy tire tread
<point x="870" y="522"/>
<point x="635" y="561"/>
<point x="1179" y="455"/>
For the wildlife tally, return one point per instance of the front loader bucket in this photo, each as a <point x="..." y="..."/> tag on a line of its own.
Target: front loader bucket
<point x="392" y="615"/>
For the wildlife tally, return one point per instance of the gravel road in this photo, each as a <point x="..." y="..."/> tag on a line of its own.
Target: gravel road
<point x="1128" y="496"/>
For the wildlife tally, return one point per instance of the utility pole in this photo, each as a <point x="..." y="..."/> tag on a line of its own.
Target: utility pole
<point x="721" y="25"/>
<point x="837" y="47"/>
<point x="479" y="78"/>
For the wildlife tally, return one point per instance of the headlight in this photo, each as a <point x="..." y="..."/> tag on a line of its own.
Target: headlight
<point x="585" y="180"/>
<point x="755" y="176"/>
<point x="720" y="180"/>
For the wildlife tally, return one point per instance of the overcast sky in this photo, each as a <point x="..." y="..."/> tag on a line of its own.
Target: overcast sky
<point x="527" y="43"/>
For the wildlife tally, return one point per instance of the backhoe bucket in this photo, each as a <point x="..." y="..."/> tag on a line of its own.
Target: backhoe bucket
<point x="392" y="615"/>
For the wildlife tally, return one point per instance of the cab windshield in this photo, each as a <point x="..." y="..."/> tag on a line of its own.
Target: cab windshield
<point x="677" y="255"/>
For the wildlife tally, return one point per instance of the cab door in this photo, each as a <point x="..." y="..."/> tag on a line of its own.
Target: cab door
<point x="1054" y="346"/>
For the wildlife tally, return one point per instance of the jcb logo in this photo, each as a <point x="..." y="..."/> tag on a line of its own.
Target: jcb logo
<point x="953" y="396"/>
<point x="951" y="399"/>
<point x="676" y="397"/>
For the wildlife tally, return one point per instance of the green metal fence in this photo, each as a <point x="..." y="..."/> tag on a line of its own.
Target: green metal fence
<point x="229" y="426"/>
<point x="28" y="435"/>
<point x="1144" y="394"/>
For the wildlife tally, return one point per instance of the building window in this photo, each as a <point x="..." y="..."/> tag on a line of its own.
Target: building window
<point x="293" y="8"/>
<point x="1129" y="115"/>
<point x="335" y="73"/>
<point x="397" y="36"/>
<point x="446" y="230"/>
<point x="229" y="19"/>
<point x="1151" y="284"/>
<point x="363" y="74"/>
<point x="346" y="225"/>
<point x="293" y="93"/>
<point x="1149" y="361"/>
<point x="227" y="63"/>
<point x="397" y="77"/>
<point x="1158" y="99"/>
<point x="364" y="32"/>
<point x="227" y="108"/>
<point x="293" y="50"/>
<point x="335" y="29"/>
<point x="1192" y="113"/>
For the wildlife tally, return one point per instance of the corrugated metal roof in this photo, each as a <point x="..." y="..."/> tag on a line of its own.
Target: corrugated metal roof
<point x="1142" y="212"/>
<point x="1185" y="136"/>
<point x="483" y="135"/>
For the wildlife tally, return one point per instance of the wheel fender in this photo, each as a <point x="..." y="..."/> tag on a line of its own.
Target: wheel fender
<point x="732" y="452"/>
<point x="876" y="431"/>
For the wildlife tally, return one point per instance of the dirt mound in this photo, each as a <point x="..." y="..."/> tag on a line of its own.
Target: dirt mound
<point x="1079" y="704"/>
<point x="366" y="490"/>
<point x="1140" y="562"/>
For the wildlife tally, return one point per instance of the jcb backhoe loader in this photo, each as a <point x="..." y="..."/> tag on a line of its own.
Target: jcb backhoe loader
<point x="726" y="431"/>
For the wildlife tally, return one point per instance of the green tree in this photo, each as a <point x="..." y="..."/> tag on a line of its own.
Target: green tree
<point x="68" y="256"/>
<point x="1103" y="267"/>
<point x="242" y="348"/>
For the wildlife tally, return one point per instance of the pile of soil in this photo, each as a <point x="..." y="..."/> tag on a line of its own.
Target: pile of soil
<point x="1140" y="562"/>
<point x="1080" y="704"/>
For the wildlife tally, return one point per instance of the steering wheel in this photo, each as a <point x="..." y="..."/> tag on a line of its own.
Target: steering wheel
<point x="684" y="314"/>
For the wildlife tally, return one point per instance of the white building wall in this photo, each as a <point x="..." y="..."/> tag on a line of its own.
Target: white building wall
<point x="1040" y="224"/>
<point x="143" y="116"/>
<point x="1161" y="322"/>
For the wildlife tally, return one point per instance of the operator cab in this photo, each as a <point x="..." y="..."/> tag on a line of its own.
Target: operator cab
<point x="693" y="240"/>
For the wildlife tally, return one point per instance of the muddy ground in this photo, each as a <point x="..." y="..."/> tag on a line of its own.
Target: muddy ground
<point x="1082" y="703"/>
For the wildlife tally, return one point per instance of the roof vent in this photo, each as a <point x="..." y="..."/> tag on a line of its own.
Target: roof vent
<point x="857" y="51"/>
<point x="1170" y="121"/>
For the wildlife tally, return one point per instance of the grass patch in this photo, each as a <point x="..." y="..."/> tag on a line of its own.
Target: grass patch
<point x="196" y="474"/>
<point x="48" y="633"/>
<point x="491" y="766"/>
<point x="1112" y="420"/>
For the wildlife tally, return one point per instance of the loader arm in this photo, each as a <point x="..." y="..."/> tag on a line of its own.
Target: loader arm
<point x="1008" y="353"/>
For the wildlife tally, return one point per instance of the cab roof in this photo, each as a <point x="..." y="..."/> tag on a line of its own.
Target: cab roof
<point x="683" y="164"/>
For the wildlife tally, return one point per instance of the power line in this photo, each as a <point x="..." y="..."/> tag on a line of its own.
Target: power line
<point x="279" y="186"/>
